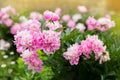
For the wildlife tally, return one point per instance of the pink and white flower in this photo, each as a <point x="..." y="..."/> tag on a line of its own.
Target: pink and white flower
<point x="92" y="23"/>
<point x="76" y="17"/>
<point x="105" y="24"/>
<point x="50" y="41"/>
<point x="82" y="9"/>
<point x="71" y="24"/>
<point x="72" y="54"/>
<point x="48" y="15"/>
<point x="36" y="16"/>
<point x="81" y="27"/>
<point x="53" y="25"/>
<point x="31" y="58"/>
<point x="66" y="18"/>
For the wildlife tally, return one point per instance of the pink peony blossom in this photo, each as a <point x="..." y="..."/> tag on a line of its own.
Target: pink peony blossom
<point x="5" y="16"/>
<point x="23" y="19"/>
<point x="50" y="41"/>
<point x="108" y="16"/>
<point x="76" y="17"/>
<point x="8" y="10"/>
<point x="85" y="48"/>
<point x="8" y="22"/>
<point x="71" y="24"/>
<point x="91" y="44"/>
<point x="105" y="24"/>
<point x="1" y="22"/>
<point x="66" y="18"/>
<point x="32" y="25"/>
<point x="58" y="11"/>
<point x="4" y="45"/>
<point x="15" y="28"/>
<point x="82" y="9"/>
<point x="35" y="15"/>
<point x="81" y="27"/>
<point x="48" y="15"/>
<point x="23" y="40"/>
<point x="92" y="23"/>
<point x="72" y="54"/>
<point x="35" y="65"/>
<point x="102" y="24"/>
<point x="53" y="25"/>
<point x="31" y="58"/>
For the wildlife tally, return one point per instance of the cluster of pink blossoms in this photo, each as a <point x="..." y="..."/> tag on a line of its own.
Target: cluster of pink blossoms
<point x="36" y="16"/>
<point x="50" y="16"/>
<point x="32" y="59"/>
<point x="29" y="38"/>
<point x="102" y="24"/>
<point x="49" y="41"/>
<point x="91" y="45"/>
<point x="72" y="22"/>
<point x="72" y="54"/>
<point x="52" y="19"/>
<point x="5" y="15"/>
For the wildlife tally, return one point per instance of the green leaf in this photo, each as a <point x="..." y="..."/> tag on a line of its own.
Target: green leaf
<point x="59" y="29"/>
<point x="71" y="35"/>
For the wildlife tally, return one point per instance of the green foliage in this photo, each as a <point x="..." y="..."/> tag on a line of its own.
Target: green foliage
<point x="86" y="69"/>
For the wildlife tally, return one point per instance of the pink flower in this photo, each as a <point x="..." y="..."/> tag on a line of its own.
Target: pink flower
<point x="48" y="15"/>
<point x="92" y="23"/>
<point x="35" y="65"/>
<point x="50" y="41"/>
<point x="5" y="16"/>
<point x="8" y="22"/>
<point x="71" y="24"/>
<point x="72" y="54"/>
<point x="58" y="11"/>
<point x="23" y="40"/>
<point x="1" y="14"/>
<point x="31" y="58"/>
<point x="1" y="22"/>
<point x="108" y="16"/>
<point x="102" y="24"/>
<point x="53" y="25"/>
<point x="76" y="17"/>
<point x="35" y="15"/>
<point x="105" y="24"/>
<point x="4" y="45"/>
<point x="81" y="27"/>
<point x="82" y="9"/>
<point x="23" y="19"/>
<point x="8" y="10"/>
<point x="96" y="44"/>
<point x="66" y="18"/>
<point x="28" y="55"/>
<point x="91" y="44"/>
<point x="15" y="28"/>
<point x="85" y="48"/>
<point x="33" y="25"/>
<point x="104" y="56"/>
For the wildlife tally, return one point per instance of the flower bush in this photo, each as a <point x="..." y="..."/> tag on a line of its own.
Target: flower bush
<point x="69" y="47"/>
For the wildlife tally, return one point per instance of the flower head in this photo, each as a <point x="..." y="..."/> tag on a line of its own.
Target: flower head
<point x="31" y="58"/>
<point x="48" y="15"/>
<point x="24" y="40"/>
<point x="50" y="41"/>
<point x="82" y="9"/>
<point x="72" y="54"/>
<point x="36" y="16"/>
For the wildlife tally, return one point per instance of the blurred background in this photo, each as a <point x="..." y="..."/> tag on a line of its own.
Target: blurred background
<point x="94" y="6"/>
<point x="66" y="5"/>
